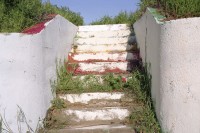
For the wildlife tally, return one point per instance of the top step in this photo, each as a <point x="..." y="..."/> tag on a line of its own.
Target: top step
<point x="113" y="27"/>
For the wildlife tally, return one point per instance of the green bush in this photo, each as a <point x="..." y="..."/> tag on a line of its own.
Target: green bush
<point x="73" y="17"/>
<point x="170" y="8"/>
<point x="104" y="20"/>
<point x="180" y="8"/>
<point x="16" y="15"/>
<point x="173" y="8"/>
<point x="126" y="17"/>
<point x="122" y="17"/>
<point x="143" y="120"/>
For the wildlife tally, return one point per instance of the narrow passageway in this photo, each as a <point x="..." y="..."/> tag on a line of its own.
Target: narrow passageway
<point x="102" y="57"/>
<point x="93" y="92"/>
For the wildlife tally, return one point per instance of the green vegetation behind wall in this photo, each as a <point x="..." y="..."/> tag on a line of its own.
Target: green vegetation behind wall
<point x="180" y="8"/>
<point x="171" y="9"/>
<point x="122" y="17"/>
<point x="16" y="15"/>
<point x="125" y="17"/>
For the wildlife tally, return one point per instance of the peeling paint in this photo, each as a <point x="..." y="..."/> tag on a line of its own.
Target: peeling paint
<point x="40" y="26"/>
<point x="101" y="114"/>
<point x="83" y="68"/>
<point x="87" y="97"/>
<point x="103" y="57"/>
<point x="158" y="17"/>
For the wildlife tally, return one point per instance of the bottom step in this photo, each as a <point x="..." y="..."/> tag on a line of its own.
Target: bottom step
<point x="96" y="129"/>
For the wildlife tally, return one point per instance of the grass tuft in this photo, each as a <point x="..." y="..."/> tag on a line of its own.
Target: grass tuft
<point x="17" y="15"/>
<point x="68" y="83"/>
<point x="171" y="9"/>
<point x="180" y="8"/>
<point x="58" y="103"/>
<point x="144" y="121"/>
<point x="126" y="17"/>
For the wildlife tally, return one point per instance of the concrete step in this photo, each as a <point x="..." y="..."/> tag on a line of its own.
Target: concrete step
<point x="96" y="129"/>
<point x="96" y="116"/>
<point x="93" y="110"/>
<point x="112" y="27"/>
<point x="101" y="41"/>
<point x="103" y="57"/>
<point x="86" y="98"/>
<point x="102" y="79"/>
<point x="103" y="34"/>
<point x="103" y="48"/>
<point x="84" y="68"/>
<point x="96" y="100"/>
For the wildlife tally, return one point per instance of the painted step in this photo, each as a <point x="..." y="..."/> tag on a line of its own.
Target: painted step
<point x="96" y="100"/>
<point x="101" y="67"/>
<point x="96" y="116"/>
<point x="86" y="98"/>
<point x="100" y="78"/>
<point x="103" y="48"/>
<point x="103" y="34"/>
<point x="101" y="41"/>
<point x="96" y="129"/>
<point x="103" y="57"/>
<point x="104" y="27"/>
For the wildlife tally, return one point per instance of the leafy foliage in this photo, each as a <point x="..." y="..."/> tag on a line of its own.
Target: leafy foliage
<point x="143" y="120"/>
<point x="126" y="17"/>
<point x="16" y="15"/>
<point x="74" y="17"/>
<point x="58" y="103"/>
<point x="122" y="17"/>
<point x="173" y="9"/>
<point x="170" y="8"/>
<point x="180" y="8"/>
<point x="104" y="20"/>
<point x="68" y="83"/>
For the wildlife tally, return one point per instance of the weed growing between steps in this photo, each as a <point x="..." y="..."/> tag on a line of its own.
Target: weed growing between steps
<point x="144" y="121"/>
<point x="21" y="122"/>
<point x="139" y="82"/>
<point x="68" y="83"/>
<point x="55" y="118"/>
<point x="58" y="103"/>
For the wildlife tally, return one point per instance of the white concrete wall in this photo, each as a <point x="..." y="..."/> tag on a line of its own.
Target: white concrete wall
<point x="172" y="48"/>
<point x="27" y="64"/>
<point x="148" y="38"/>
<point x="180" y="68"/>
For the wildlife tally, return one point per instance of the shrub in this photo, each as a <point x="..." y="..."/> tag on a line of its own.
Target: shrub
<point x="73" y="17"/>
<point x="16" y="15"/>
<point x="104" y="20"/>
<point x="122" y="17"/>
<point x="180" y="8"/>
<point x="173" y="8"/>
<point x="126" y="17"/>
<point x="144" y="120"/>
<point x="169" y="8"/>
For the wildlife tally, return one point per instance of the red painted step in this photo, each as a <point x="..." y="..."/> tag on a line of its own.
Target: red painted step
<point x="103" y="57"/>
<point x="83" y="68"/>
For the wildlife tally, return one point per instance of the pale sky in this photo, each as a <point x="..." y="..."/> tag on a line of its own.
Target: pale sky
<point x="92" y="10"/>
